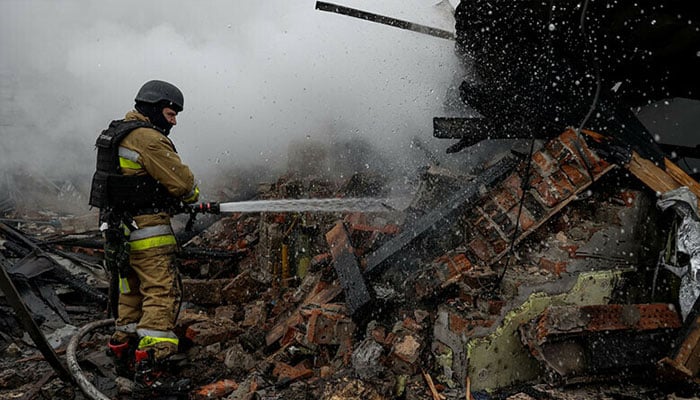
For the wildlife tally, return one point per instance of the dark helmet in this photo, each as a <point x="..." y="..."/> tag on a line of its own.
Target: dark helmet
<point x="155" y="91"/>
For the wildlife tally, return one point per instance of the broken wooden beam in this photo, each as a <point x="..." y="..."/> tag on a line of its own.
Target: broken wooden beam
<point x="684" y="363"/>
<point x="659" y="179"/>
<point x="25" y="318"/>
<point x="357" y="294"/>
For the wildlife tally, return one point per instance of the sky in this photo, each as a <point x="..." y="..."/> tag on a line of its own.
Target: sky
<point x="256" y="77"/>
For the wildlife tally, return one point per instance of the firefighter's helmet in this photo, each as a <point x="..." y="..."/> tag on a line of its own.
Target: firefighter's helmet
<point x="159" y="91"/>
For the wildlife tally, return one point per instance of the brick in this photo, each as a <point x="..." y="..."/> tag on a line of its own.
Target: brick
<point x="546" y="193"/>
<point x="491" y="208"/>
<point x="504" y="199"/>
<point x="326" y="326"/>
<point x="505" y="223"/>
<point x="481" y="249"/>
<point x="230" y="311"/>
<point x="513" y="184"/>
<point x="579" y="148"/>
<point x="499" y="246"/>
<point x="287" y="373"/>
<point x="557" y="150"/>
<point x="544" y="163"/>
<point x="405" y="353"/>
<point x="562" y="184"/>
<point x="536" y="209"/>
<point x="577" y="177"/>
<point x="554" y="148"/>
<point x="255" y="314"/>
<point x="555" y="267"/>
<point x="203" y="291"/>
<point x="482" y="224"/>
<point x="240" y="289"/>
<point x="211" y="331"/>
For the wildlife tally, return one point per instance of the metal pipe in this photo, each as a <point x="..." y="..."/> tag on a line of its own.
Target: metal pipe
<point x="85" y="385"/>
<point x="381" y="19"/>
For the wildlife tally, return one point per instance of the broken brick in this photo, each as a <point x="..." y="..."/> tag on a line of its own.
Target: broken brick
<point x="287" y="373"/>
<point x="555" y="267"/>
<point x="543" y="163"/>
<point x="211" y="331"/>
<point x="481" y="249"/>
<point x="575" y="175"/>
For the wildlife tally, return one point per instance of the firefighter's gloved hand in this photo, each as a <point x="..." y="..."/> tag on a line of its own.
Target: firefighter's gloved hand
<point x="191" y="197"/>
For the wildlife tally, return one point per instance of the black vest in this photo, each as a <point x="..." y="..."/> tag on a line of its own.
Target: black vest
<point x="112" y="190"/>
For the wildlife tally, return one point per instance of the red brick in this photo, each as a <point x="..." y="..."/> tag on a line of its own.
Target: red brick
<point x="556" y="149"/>
<point x="562" y="185"/>
<point x="286" y="373"/>
<point x="513" y="184"/>
<point x="526" y="219"/>
<point x="481" y="249"/>
<point x="499" y="246"/>
<point x="482" y="224"/>
<point x="555" y="267"/>
<point x="546" y="193"/>
<point x="570" y="140"/>
<point x="211" y="331"/>
<point x="576" y="176"/>
<point x="543" y="163"/>
<point x="504" y="199"/>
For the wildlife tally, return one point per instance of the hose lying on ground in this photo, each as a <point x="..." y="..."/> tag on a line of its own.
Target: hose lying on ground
<point x="85" y="385"/>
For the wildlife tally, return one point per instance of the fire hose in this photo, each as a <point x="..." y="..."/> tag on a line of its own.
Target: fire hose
<point x="85" y="385"/>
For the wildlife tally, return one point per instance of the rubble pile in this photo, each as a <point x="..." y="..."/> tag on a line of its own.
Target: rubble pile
<point x="533" y="279"/>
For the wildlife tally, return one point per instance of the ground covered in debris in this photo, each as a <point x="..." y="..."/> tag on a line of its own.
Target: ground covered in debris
<point x="490" y="293"/>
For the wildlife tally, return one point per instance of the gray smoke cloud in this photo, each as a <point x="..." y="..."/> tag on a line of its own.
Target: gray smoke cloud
<point x="256" y="77"/>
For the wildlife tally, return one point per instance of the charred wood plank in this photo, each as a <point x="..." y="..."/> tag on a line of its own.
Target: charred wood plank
<point x="357" y="294"/>
<point x="658" y="179"/>
<point x="58" y="270"/>
<point x="25" y="318"/>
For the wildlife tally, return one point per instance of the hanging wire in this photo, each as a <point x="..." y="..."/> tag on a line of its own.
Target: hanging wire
<point x="528" y="170"/>
<point x="592" y="108"/>
<point x="596" y="95"/>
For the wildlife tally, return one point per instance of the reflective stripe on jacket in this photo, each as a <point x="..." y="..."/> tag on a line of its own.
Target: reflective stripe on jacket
<point x="151" y="236"/>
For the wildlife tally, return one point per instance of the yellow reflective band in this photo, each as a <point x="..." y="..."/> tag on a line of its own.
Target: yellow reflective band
<point x="126" y="163"/>
<point x="147" y="341"/>
<point x="156" y="241"/>
<point x="124" y="286"/>
<point x="193" y="197"/>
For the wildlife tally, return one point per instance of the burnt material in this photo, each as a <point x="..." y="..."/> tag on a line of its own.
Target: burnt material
<point x="357" y="294"/>
<point x="684" y="362"/>
<point x="443" y="215"/>
<point x="25" y="318"/>
<point x="589" y="343"/>
<point x="381" y="19"/>
<point x="56" y="269"/>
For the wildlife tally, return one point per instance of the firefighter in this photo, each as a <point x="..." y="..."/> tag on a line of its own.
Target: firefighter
<point x="139" y="184"/>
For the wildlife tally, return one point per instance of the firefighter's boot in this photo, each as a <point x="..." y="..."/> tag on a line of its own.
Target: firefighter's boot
<point x="155" y="378"/>
<point x="123" y="355"/>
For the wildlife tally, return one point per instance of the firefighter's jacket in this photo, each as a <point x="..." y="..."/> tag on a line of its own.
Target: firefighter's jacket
<point x="149" y="307"/>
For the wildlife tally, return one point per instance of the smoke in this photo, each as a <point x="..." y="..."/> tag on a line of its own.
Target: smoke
<point x="256" y="76"/>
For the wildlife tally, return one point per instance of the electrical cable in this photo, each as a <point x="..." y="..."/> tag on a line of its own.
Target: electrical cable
<point x="526" y="181"/>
